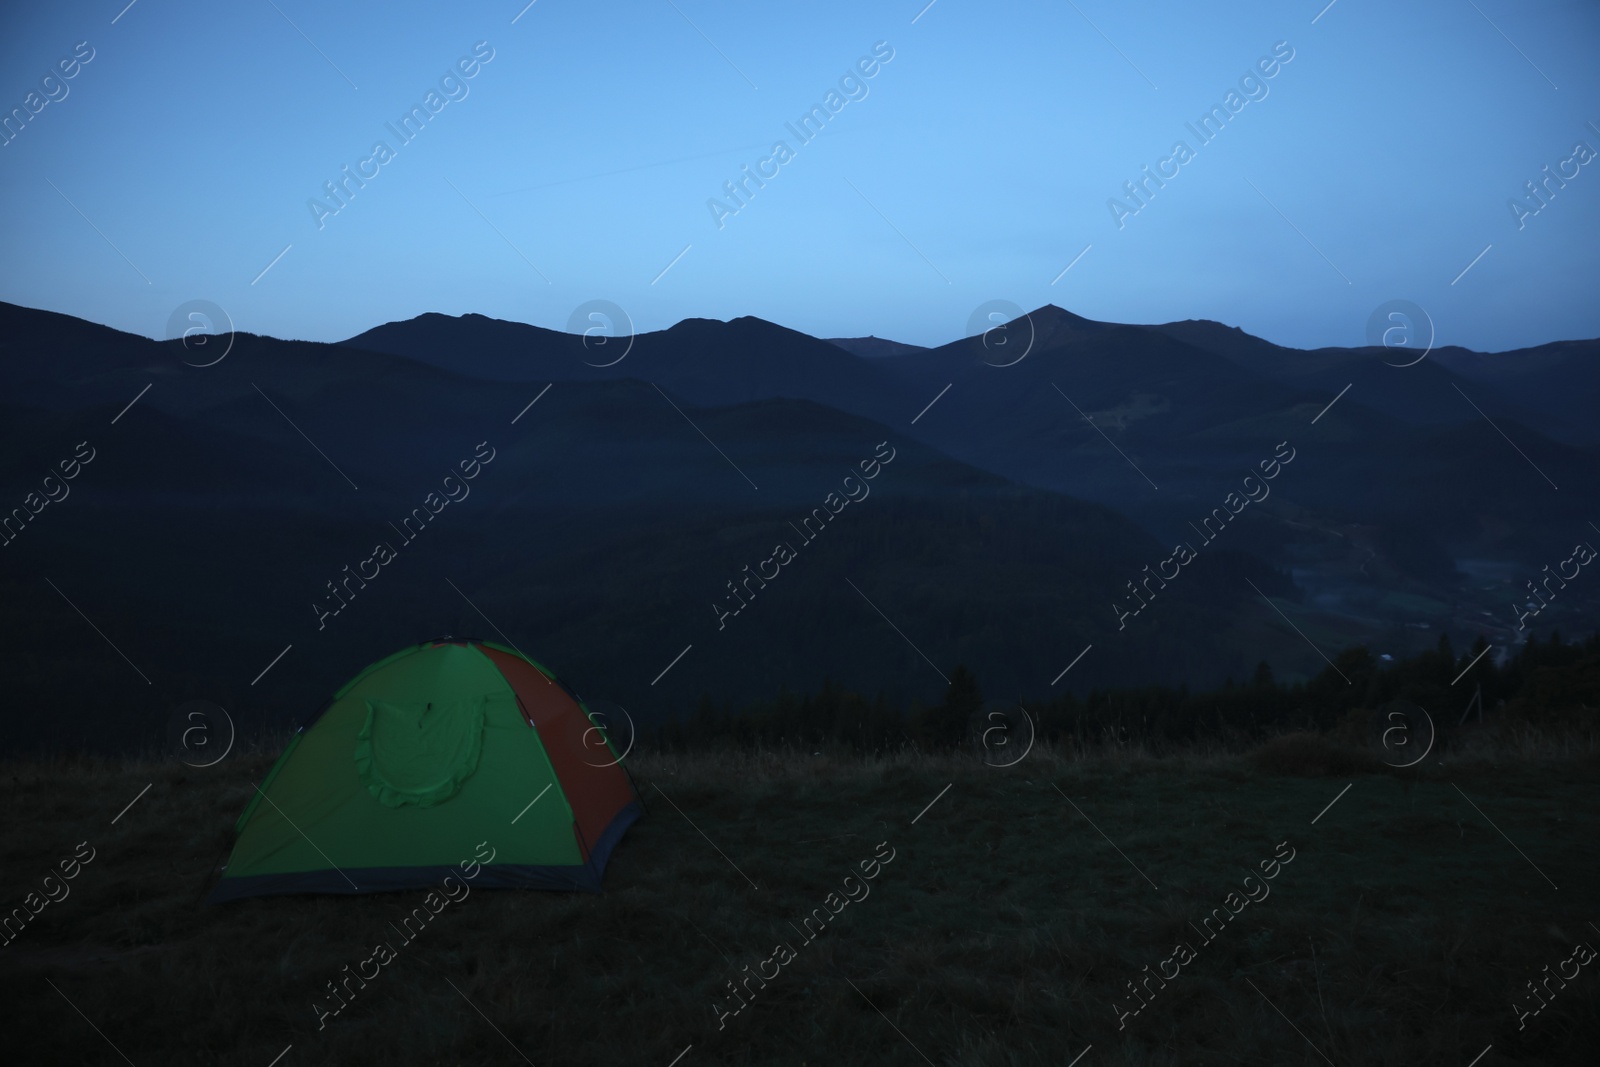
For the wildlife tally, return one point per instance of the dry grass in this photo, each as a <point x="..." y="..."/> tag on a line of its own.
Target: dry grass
<point x="1003" y="932"/>
<point x="1311" y="755"/>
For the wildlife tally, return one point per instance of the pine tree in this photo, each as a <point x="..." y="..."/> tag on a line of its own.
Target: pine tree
<point x="945" y="725"/>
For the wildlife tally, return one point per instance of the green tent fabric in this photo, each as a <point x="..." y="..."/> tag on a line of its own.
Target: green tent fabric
<point x="419" y="753"/>
<point x="421" y="759"/>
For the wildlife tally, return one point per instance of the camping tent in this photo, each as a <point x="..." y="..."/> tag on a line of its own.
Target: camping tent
<point x="449" y="753"/>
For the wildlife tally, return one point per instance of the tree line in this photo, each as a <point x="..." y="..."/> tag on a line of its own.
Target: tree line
<point x="1547" y="683"/>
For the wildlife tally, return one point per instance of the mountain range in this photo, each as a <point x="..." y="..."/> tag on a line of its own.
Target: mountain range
<point x="1039" y="471"/>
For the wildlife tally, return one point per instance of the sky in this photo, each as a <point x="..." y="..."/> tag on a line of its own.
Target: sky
<point x="983" y="159"/>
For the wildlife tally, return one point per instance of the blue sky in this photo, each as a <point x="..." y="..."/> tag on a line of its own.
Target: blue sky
<point x="976" y="166"/>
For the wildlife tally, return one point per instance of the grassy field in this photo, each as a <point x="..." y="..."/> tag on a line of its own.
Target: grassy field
<point x="1018" y="905"/>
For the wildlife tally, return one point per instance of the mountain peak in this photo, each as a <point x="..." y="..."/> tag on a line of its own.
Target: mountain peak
<point x="1209" y="324"/>
<point x="1211" y="335"/>
<point x="1051" y="324"/>
<point x="1058" y="313"/>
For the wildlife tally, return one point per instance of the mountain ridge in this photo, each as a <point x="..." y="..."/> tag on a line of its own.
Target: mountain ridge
<point x="1153" y="423"/>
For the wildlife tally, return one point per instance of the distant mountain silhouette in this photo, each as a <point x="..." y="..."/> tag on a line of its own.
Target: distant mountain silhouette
<point x="622" y="502"/>
<point x="229" y="507"/>
<point x="704" y="360"/>
<point x="1402" y="476"/>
